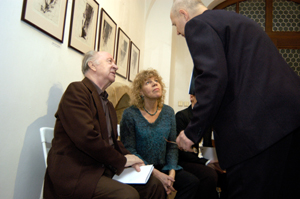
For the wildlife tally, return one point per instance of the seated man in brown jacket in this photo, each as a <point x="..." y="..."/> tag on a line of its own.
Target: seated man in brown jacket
<point x="85" y="153"/>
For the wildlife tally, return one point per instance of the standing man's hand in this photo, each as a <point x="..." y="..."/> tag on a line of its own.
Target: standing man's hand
<point x="184" y="143"/>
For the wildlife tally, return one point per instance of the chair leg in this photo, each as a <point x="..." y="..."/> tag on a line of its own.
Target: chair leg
<point x="219" y="191"/>
<point x="42" y="192"/>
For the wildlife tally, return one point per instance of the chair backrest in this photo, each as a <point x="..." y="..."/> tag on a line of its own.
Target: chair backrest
<point x="46" y="138"/>
<point x="118" y="130"/>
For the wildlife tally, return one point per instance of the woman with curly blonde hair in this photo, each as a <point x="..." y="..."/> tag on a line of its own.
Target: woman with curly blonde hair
<point x="147" y="125"/>
<point x="137" y="99"/>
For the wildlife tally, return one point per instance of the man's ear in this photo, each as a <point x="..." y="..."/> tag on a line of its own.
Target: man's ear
<point x="185" y="14"/>
<point x="91" y="66"/>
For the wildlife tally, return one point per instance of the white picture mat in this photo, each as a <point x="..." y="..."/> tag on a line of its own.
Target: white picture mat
<point x="76" y="41"/>
<point x="51" y="22"/>
<point x="123" y="53"/>
<point x="109" y="44"/>
<point x="134" y="62"/>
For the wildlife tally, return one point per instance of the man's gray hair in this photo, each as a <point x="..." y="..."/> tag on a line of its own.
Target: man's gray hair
<point x="89" y="56"/>
<point x="191" y="6"/>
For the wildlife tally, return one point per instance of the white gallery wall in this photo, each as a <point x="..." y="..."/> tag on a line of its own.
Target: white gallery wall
<point x="181" y="67"/>
<point x="36" y="69"/>
<point x="158" y="40"/>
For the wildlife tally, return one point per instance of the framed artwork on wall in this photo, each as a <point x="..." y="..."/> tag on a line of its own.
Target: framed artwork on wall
<point x="122" y="53"/>
<point x="134" y="61"/>
<point x="107" y="34"/>
<point x="83" y="28"/>
<point x="47" y="16"/>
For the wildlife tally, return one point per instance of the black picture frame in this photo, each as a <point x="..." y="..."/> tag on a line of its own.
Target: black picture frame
<point x="107" y="34"/>
<point x="83" y="27"/>
<point x="47" y="17"/>
<point x="122" y="55"/>
<point x="134" y="62"/>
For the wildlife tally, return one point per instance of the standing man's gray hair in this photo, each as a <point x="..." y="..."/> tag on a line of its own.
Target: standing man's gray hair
<point x="191" y="6"/>
<point x="89" y="56"/>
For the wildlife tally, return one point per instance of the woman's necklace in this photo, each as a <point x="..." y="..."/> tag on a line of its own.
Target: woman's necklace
<point x="150" y="113"/>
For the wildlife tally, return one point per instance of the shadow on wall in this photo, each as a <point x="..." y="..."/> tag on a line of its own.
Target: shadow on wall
<point x="31" y="168"/>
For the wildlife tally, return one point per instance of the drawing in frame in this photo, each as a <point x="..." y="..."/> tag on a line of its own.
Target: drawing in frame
<point x="107" y="34"/>
<point x="122" y="56"/>
<point x="47" y="16"/>
<point x="83" y="28"/>
<point x="134" y="61"/>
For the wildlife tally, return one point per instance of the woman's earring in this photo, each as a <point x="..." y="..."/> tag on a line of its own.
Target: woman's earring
<point x="142" y="97"/>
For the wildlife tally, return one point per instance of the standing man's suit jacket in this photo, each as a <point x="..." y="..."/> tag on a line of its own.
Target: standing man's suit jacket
<point x="243" y="86"/>
<point x="80" y="148"/>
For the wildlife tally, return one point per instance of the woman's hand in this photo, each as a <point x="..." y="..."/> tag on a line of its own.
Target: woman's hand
<point x="172" y="174"/>
<point x="166" y="180"/>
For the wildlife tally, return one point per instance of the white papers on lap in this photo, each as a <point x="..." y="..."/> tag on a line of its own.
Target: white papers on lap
<point x="209" y="153"/>
<point x="131" y="176"/>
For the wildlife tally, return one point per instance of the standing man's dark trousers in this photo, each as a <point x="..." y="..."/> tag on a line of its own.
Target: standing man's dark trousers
<point x="109" y="188"/>
<point x="274" y="173"/>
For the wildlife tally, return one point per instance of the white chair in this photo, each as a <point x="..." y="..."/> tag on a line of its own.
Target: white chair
<point x="118" y="129"/>
<point x="46" y="138"/>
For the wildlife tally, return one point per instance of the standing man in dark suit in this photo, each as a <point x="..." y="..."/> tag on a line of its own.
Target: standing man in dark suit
<point x="248" y="94"/>
<point x="85" y="153"/>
